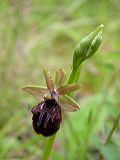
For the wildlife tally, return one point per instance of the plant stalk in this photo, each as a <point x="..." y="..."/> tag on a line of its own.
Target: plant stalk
<point x="48" y="148"/>
<point x="72" y="76"/>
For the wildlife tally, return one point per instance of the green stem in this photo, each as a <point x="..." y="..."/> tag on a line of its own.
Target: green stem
<point x="48" y="148"/>
<point x="72" y="76"/>
<point x="77" y="75"/>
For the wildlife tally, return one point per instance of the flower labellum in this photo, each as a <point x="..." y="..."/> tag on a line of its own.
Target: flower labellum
<point x="46" y="117"/>
<point x="47" y="114"/>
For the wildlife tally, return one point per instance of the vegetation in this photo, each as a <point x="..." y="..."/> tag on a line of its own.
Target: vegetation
<point x="38" y="34"/>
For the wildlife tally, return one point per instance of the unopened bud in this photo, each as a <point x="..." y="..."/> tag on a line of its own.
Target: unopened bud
<point x="95" y="44"/>
<point x="87" y="46"/>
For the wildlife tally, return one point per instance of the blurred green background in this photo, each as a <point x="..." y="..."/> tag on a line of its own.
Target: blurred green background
<point x="35" y="34"/>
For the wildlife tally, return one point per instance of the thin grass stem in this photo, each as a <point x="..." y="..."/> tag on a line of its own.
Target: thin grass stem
<point x="111" y="133"/>
<point x="113" y="129"/>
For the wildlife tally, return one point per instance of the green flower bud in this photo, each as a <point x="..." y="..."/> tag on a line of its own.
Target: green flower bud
<point x="95" y="44"/>
<point x="87" y="46"/>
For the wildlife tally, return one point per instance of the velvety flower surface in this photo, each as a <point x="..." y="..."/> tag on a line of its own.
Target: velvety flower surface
<point x="46" y="117"/>
<point x="47" y="114"/>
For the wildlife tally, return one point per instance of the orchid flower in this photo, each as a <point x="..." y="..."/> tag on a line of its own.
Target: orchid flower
<point x="47" y="114"/>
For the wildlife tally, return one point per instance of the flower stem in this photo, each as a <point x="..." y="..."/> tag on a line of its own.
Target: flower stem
<point x="72" y="76"/>
<point x="77" y="75"/>
<point x="48" y="148"/>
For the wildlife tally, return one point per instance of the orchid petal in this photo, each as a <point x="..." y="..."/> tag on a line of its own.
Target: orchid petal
<point x="68" y="104"/>
<point x="60" y="77"/>
<point x="37" y="91"/>
<point x="48" y="79"/>
<point x="67" y="89"/>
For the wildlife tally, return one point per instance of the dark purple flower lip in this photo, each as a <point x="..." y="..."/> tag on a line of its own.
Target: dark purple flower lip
<point x="47" y="117"/>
